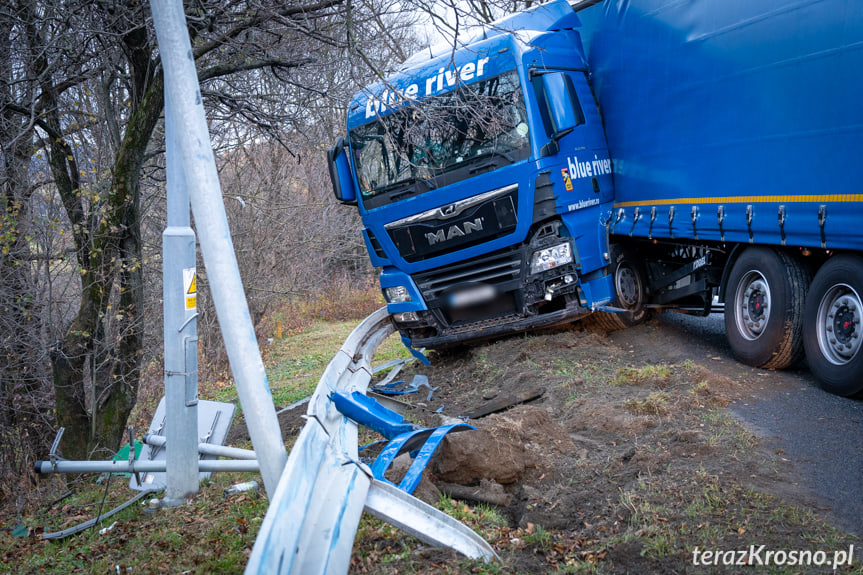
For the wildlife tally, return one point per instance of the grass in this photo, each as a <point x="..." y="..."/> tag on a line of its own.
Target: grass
<point x="721" y="515"/>
<point x="584" y="371"/>
<point x="654" y="374"/>
<point x="654" y="404"/>
<point x="210" y="534"/>
<point x="295" y="364"/>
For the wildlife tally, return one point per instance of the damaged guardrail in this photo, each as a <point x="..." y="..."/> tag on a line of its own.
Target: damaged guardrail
<point x="314" y="513"/>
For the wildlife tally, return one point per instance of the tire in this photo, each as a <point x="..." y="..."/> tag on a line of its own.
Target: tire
<point x="764" y="306"/>
<point x="629" y="286"/>
<point x="832" y="328"/>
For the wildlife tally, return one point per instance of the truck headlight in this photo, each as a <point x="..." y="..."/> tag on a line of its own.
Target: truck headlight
<point x="406" y="316"/>
<point x="397" y="294"/>
<point x="549" y="258"/>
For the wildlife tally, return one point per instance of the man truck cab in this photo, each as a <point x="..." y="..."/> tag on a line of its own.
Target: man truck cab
<point x="482" y="175"/>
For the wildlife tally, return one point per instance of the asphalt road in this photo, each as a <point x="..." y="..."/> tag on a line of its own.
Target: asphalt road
<point x="819" y="433"/>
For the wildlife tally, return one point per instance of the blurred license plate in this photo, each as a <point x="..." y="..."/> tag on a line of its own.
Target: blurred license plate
<point x="472" y="296"/>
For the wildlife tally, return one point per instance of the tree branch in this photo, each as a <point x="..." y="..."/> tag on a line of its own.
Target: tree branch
<point x="260" y="18"/>
<point x="229" y="68"/>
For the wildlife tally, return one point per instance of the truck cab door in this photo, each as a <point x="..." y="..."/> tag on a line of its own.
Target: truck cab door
<point x="577" y="140"/>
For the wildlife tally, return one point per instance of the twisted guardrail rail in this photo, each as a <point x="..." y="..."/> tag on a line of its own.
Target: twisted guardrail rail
<point x="314" y="513"/>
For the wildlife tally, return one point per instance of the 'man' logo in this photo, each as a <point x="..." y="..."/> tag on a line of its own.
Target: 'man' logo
<point x="454" y="231"/>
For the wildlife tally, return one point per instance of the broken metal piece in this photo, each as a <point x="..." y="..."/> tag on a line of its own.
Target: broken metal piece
<point x="394" y="371"/>
<point x="505" y="402"/>
<point x="52" y="454"/>
<point x="417" y="353"/>
<point x="404" y="436"/>
<point x="412" y="478"/>
<point x="400" y="407"/>
<point x="365" y="411"/>
<point x="315" y="510"/>
<point x="396" y="363"/>
<point x="294" y="405"/>
<point x="424" y="522"/>
<point x="402" y="388"/>
<point x="87" y="524"/>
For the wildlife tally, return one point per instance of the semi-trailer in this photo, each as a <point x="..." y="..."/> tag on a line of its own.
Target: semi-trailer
<point x="649" y="154"/>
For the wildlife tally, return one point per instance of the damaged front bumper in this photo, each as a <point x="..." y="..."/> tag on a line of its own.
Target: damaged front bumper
<point x="497" y="294"/>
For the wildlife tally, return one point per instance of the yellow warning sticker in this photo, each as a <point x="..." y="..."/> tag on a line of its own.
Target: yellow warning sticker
<point x="567" y="181"/>
<point x="190" y="287"/>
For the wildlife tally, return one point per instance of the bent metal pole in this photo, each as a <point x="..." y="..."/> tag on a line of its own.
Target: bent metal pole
<point x="141" y="466"/>
<point x="193" y="139"/>
<point x="204" y="448"/>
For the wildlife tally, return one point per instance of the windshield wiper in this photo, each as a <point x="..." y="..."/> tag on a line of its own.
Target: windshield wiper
<point x="491" y="157"/>
<point x="396" y="192"/>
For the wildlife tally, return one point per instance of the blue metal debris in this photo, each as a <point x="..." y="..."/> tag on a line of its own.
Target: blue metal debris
<point x="405" y="436"/>
<point x="417" y="353"/>
<point x="414" y="473"/>
<point x="369" y="413"/>
<point x="403" y="388"/>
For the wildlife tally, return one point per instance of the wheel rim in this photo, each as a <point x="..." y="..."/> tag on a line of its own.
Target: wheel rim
<point x="839" y="314"/>
<point x="628" y="286"/>
<point x="752" y="305"/>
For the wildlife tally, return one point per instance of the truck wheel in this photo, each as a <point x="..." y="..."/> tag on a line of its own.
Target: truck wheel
<point x="764" y="308"/>
<point x="832" y="329"/>
<point x="629" y="282"/>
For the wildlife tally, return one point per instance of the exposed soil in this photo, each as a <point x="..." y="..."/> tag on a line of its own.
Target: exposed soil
<point x="626" y="463"/>
<point x="605" y="453"/>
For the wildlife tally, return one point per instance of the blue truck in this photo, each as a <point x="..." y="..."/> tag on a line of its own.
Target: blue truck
<point x="613" y="158"/>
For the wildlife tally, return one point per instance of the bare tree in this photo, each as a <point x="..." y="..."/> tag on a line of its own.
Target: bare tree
<point x="84" y="88"/>
<point x="25" y="421"/>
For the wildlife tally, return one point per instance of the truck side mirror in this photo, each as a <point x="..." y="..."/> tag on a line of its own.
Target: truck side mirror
<point x="561" y="109"/>
<point x="339" y="165"/>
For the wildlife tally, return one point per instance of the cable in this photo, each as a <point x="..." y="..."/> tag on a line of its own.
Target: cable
<point x="87" y="524"/>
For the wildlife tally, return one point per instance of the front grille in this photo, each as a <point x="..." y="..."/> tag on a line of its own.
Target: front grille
<point x="497" y="270"/>
<point x="474" y="221"/>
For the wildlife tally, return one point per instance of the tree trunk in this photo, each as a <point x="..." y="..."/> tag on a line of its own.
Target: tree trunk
<point x="109" y="338"/>
<point x="24" y="389"/>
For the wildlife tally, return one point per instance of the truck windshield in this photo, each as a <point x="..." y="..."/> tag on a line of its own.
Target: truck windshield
<point x="440" y="140"/>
